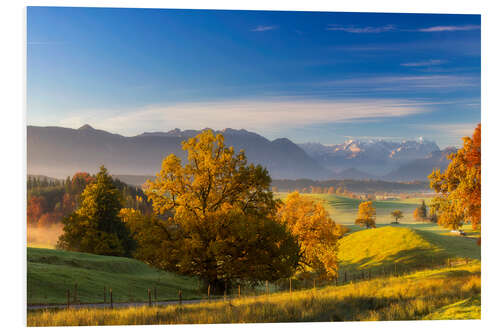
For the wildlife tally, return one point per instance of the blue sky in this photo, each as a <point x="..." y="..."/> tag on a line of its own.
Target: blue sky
<point x="309" y="76"/>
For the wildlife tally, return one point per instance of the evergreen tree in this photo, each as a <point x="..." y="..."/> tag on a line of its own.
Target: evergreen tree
<point x="96" y="226"/>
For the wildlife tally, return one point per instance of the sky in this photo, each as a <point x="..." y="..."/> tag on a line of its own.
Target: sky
<point x="309" y="76"/>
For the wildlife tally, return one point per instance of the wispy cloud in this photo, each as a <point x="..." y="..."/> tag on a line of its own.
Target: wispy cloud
<point x="261" y="28"/>
<point x="404" y="82"/>
<point x="441" y="28"/>
<point x="361" y="30"/>
<point x="432" y="62"/>
<point x="249" y="114"/>
<point x="458" y="130"/>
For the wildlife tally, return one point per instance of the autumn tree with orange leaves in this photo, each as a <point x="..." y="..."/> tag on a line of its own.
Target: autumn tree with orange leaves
<point x="316" y="232"/>
<point x="366" y="215"/>
<point x="459" y="186"/>
<point x="220" y="218"/>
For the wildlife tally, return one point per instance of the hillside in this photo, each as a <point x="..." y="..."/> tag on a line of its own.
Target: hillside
<point x="52" y="272"/>
<point x="381" y="248"/>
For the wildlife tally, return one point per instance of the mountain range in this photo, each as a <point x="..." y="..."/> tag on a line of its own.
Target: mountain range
<point x="59" y="152"/>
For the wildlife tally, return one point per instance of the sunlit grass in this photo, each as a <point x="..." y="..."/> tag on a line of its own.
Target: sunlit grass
<point x="391" y="248"/>
<point x="415" y="296"/>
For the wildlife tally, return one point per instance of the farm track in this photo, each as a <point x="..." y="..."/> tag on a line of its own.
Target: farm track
<point x="115" y="305"/>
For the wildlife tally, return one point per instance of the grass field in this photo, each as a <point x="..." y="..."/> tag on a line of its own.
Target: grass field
<point x="381" y="248"/>
<point x="448" y="293"/>
<point x="51" y="273"/>
<point x="344" y="210"/>
<point x="411" y="248"/>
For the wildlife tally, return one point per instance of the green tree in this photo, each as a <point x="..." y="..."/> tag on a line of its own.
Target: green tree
<point x="222" y="223"/>
<point x="96" y="227"/>
<point x="366" y="215"/>
<point x="397" y="214"/>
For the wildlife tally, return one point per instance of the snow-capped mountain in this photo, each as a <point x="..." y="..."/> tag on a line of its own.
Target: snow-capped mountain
<point x="377" y="157"/>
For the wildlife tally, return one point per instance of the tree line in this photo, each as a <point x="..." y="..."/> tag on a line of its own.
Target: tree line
<point x="49" y="200"/>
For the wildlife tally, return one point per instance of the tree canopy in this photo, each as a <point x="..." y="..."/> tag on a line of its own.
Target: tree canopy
<point x="218" y="217"/>
<point x="366" y="215"/>
<point x="459" y="186"/>
<point x="397" y="214"/>
<point x="317" y="233"/>
<point x="95" y="227"/>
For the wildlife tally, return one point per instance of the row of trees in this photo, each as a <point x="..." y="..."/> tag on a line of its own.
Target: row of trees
<point x="49" y="200"/>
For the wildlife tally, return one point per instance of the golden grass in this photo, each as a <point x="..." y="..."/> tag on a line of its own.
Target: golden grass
<point x="408" y="297"/>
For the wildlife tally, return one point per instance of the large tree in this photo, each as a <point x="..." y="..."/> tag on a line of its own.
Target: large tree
<point x="459" y="186"/>
<point x="218" y="218"/>
<point x="366" y="215"/>
<point x="96" y="227"/>
<point x="317" y="233"/>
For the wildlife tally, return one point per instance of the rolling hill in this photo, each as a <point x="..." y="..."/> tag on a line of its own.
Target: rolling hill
<point x="52" y="272"/>
<point x="381" y="248"/>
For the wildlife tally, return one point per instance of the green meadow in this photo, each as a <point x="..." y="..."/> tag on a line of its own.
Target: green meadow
<point x="51" y="273"/>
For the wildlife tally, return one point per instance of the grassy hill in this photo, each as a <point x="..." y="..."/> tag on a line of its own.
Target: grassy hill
<point x="51" y="273"/>
<point x="380" y="248"/>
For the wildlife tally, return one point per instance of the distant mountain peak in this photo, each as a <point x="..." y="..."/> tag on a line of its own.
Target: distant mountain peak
<point x="86" y="127"/>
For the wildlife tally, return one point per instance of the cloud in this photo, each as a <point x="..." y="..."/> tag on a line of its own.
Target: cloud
<point x="253" y="115"/>
<point x="458" y="130"/>
<point x="361" y="30"/>
<point x="432" y="62"/>
<point x="261" y="28"/>
<point x="441" y="28"/>
<point x="403" y="83"/>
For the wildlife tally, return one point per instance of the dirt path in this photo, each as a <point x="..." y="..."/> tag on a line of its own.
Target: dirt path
<point x="115" y="305"/>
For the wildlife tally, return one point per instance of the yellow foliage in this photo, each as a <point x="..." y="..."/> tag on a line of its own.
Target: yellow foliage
<point x="317" y="233"/>
<point x="366" y="215"/>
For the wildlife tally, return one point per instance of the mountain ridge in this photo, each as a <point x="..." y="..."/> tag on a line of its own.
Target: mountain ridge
<point x="60" y="151"/>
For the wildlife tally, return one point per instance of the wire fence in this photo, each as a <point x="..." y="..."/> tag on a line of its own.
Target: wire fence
<point x="75" y="294"/>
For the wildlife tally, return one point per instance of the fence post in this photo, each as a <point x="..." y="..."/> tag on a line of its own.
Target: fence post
<point x="111" y="297"/>
<point x="149" y="296"/>
<point x="239" y="291"/>
<point x="209" y="292"/>
<point x="180" y="297"/>
<point x="67" y="294"/>
<point x="290" y="286"/>
<point x="225" y="289"/>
